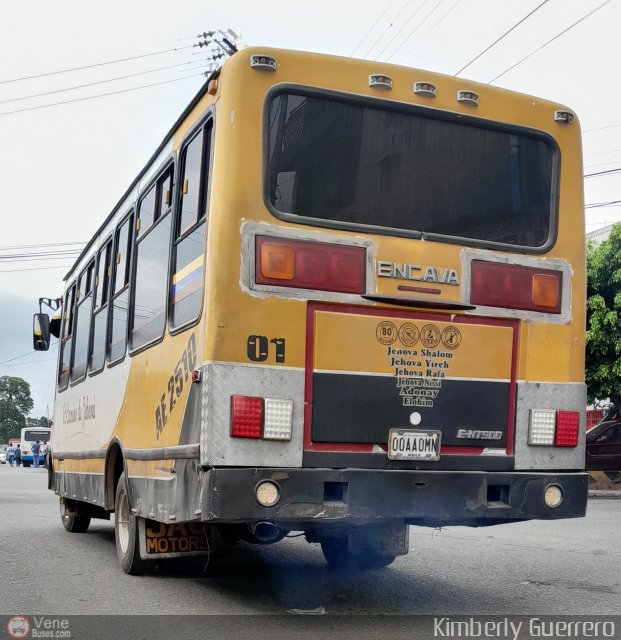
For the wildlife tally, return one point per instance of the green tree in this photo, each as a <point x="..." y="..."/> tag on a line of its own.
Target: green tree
<point x="15" y="404"/>
<point x="603" y="336"/>
<point x="37" y="422"/>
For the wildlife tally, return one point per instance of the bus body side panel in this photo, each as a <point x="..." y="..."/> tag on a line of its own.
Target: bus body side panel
<point x="147" y="405"/>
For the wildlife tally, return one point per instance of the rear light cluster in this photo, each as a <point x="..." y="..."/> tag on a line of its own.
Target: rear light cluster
<point x="310" y="265"/>
<point x="553" y="428"/>
<point x="261" y="418"/>
<point x="496" y="284"/>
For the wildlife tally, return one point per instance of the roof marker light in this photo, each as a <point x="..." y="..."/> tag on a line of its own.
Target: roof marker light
<point x="425" y="89"/>
<point x="468" y="97"/>
<point x="564" y="117"/>
<point x="261" y="62"/>
<point x="380" y="81"/>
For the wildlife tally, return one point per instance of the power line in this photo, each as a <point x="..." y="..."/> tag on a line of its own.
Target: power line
<point x="545" y="44"/>
<point x="504" y="35"/>
<point x="23" y="355"/>
<point x="19" y="364"/>
<point x="420" y="24"/>
<point x="386" y="30"/>
<point x="92" y="84"/>
<point x="99" y="95"/>
<point x="431" y="29"/>
<point x="602" y="173"/>
<point x="371" y="29"/>
<point x="41" y="255"/>
<point x="45" y="252"/>
<point x="405" y="24"/>
<point x="66" y="266"/>
<point x="600" y="164"/>
<point x="97" y="64"/>
<point x="610" y="126"/>
<point x="597" y="205"/>
<point x="51" y="259"/>
<point x="36" y="246"/>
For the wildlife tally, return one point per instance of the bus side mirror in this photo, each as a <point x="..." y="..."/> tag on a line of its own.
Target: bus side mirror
<point x="41" y="332"/>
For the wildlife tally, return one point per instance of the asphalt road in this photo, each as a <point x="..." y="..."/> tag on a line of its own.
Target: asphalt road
<point x="534" y="568"/>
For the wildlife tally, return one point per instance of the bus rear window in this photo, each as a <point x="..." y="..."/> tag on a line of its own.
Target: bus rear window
<point x="32" y="436"/>
<point x="344" y="164"/>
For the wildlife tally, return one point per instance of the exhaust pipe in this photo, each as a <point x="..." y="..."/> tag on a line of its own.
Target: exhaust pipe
<point x="265" y="532"/>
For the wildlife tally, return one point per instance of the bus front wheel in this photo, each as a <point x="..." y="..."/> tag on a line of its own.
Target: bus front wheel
<point x="126" y="531"/>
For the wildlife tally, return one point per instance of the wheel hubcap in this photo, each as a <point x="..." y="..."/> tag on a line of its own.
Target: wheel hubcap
<point x="122" y="523"/>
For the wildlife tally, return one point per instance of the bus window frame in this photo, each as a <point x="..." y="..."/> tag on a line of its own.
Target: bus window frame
<point x="165" y="167"/>
<point x="79" y="302"/>
<point x="204" y="204"/>
<point x="68" y="325"/>
<point x="428" y="112"/>
<point x="104" y="304"/>
<point x="130" y="243"/>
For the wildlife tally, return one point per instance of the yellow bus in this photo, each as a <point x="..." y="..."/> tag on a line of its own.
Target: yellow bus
<point x="342" y="297"/>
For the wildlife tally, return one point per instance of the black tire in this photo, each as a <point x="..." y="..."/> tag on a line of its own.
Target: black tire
<point x="75" y="524"/>
<point x="126" y="531"/>
<point x="26" y="465"/>
<point x="337" y="555"/>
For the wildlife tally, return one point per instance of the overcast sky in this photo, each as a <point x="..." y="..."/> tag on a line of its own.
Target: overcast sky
<point x="63" y="168"/>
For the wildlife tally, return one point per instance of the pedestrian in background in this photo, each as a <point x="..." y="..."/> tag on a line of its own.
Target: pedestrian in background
<point x="18" y="456"/>
<point x="11" y="454"/>
<point x="46" y="453"/>
<point x="36" y="451"/>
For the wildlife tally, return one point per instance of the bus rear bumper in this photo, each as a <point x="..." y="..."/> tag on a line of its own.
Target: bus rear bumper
<point x="361" y="496"/>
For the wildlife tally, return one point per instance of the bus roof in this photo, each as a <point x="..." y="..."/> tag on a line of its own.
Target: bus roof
<point x="305" y="56"/>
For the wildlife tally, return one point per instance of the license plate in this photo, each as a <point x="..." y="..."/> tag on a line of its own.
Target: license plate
<point x="411" y="444"/>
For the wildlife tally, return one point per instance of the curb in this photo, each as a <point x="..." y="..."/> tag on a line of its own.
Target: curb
<point x="604" y="495"/>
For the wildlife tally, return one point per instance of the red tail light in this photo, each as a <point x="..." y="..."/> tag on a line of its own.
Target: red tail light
<point x="567" y="428"/>
<point x="246" y="416"/>
<point x="310" y="265"/>
<point x="495" y="284"/>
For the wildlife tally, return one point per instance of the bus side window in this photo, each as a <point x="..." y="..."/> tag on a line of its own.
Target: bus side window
<point x="66" y="340"/>
<point x="100" y="308"/>
<point x="186" y="293"/>
<point x="120" y="290"/>
<point x="148" y="319"/>
<point x="84" y="303"/>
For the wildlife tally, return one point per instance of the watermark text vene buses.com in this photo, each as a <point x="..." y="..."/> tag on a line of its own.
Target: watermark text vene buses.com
<point x="516" y="628"/>
<point x="24" y="627"/>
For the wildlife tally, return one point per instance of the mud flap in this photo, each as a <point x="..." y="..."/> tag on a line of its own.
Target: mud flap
<point x="173" y="540"/>
<point x="380" y="540"/>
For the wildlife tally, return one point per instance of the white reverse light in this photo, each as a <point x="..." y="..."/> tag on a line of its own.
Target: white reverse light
<point x="542" y="427"/>
<point x="278" y="419"/>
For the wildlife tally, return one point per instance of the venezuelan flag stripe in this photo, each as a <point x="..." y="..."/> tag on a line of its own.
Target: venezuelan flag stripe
<point x="188" y="280"/>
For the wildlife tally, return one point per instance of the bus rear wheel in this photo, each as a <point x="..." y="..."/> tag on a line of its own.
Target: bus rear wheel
<point x="126" y="531"/>
<point x="74" y="524"/>
<point x="338" y="556"/>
